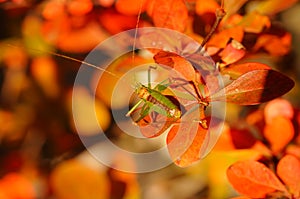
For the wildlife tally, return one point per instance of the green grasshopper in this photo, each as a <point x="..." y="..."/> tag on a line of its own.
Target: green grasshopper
<point x="154" y="100"/>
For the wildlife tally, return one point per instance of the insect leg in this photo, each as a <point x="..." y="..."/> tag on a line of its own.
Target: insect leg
<point x="133" y="108"/>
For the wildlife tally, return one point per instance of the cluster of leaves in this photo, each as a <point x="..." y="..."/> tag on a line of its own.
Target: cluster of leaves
<point x="273" y="170"/>
<point x="227" y="49"/>
<point x="246" y="32"/>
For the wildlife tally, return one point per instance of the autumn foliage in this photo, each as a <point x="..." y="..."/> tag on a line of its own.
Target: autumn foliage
<point x="244" y="63"/>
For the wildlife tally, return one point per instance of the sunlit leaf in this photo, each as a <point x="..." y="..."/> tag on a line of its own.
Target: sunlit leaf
<point x="79" y="7"/>
<point x="221" y="38"/>
<point x="53" y="9"/>
<point x="279" y="133"/>
<point x="187" y="141"/>
<point x="276" y="45"/>
<point x="15" y="185"/>
<point x="176" y="62"/>
<point x="14" y="58"/>
<point x="106" y="3"/>
<point x="224" y="142"/>
<point x="294" y="150"/>
<point x="44" y="70"/>
<point x="115" y="22"/>
<point x="119" y="67"/>
<point x="278" y="107"/>
<point x="72" y="179"/>
<point x="288" y="169"/>
<point x="153" y="127"/>
<point x="184" y="151"/>
<point x="247" y="176"/>
<point x="123" y="184"/>
<point x="206" y="6"/>
<point x="233" y="52"/>
<point x="86" y="37"/>
<point x="130" y="7"/>
<point x="247" y="90"/>
<point x="241" y="197"/>
<point x="87" y="105"/>
<point x="254" y="22"/>
<point x="171" y="14"/>
<point x="236" y="70"/>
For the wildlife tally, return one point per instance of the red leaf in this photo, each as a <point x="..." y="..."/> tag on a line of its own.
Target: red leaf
<point x="254" y="87"/>
<point x="279" y="133"/>
<point x="171" y="14"/>
<point x="150" y="127"/>
<point x="288" y="169"/>
<point x="233" y="52"/>
<point x="242" y="138"/>
<point x="187" y="141"/>
<point x="115" y="22"/>
<point x="176" y="62"/>
<point x="253" y="179"/>
<point x="236" y="70"/>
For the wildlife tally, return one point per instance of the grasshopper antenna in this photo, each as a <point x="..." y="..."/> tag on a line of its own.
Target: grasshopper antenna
<point x="69" y="58"/>
<point x="136" y="29"/>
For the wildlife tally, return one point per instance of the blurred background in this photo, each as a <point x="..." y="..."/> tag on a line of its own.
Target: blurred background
<point x="41" y="154"/>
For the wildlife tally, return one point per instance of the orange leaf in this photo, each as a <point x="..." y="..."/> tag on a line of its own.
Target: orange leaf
<point x="241" y="197"/>
<point x="171" y="14"/>
<point x="153" y="128"/>
<point x="255" y="23"/>
<point x="221" y="38"/>
<point x="15" y="58"/>
<point x="119" y="67"/>
<point x="176" y="62"/>
<point x="256" y="118"/>
<point x="53" y="9"/>
<point x="86" y="38"/>
<point x="206" y="6"/>
<point x="279" y="133"/>
<point x="233" y="52"/>
<point x="253" y="179"/>
<point x="236" y="70"/>
<point x="293" y="150"/>
<point x="44" y="70"/>
<point x="224" y="142"/>
<point x="106" y="3"/>
<point x="73" y="179"/>
<point x="254" y="87"/>
<point x="274" y="44"/>
<point x="188" y="143"/>
<point x="288" y="169"/>
<point x="79" y="7"/>
<point x="115" y="22"/>
<point x="130" y="7"/>
<point x="15" y="185"/>
<point x="278" y="107"/>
